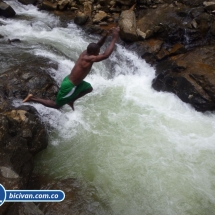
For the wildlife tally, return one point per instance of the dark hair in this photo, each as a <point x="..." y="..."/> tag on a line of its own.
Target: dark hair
<point x="93" y="48"/>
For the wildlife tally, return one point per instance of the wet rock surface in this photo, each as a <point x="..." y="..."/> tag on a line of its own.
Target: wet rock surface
<point x="34" y="77"/>
<point x="127" y="24"/>
<point x="190" y="76"/>
<point x="6" y="10"/>
<point x="185" y="48"/>
<point x="22" y="134"/>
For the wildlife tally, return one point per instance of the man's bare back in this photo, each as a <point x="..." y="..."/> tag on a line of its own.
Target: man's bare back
<point x="81" y="69"/>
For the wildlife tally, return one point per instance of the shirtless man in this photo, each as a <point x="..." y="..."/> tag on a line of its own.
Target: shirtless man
<point x="73" y="87"/>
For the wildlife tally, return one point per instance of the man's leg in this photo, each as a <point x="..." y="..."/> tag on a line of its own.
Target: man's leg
<point x="81" y="94"/>
<point x="45" y="102"/>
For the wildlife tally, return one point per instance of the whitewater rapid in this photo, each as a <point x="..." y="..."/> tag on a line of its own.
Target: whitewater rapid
<point x="144" y="152"/>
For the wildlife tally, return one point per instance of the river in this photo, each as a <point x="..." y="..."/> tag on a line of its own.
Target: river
<point x="135" y="151"/>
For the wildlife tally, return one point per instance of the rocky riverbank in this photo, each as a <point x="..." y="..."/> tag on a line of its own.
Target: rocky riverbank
<point x="22" y="135"/>
<point x="175" y="37"/>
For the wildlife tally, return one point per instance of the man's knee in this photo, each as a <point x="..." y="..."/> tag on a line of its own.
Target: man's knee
<point x="90" y="90"/>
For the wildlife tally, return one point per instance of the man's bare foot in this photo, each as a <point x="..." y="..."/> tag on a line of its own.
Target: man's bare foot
<point x="28" y="98"/>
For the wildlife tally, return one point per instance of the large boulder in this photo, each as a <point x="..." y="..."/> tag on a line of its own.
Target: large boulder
<point x="22" y="135"/>
<point x="177" y="24"/>
<point x="81" y="18"/>
<point x="19" y="82"/>
<point x="190" y="76"/>
<point x="161" y="22"/>
<point x="6" y="10"/>
<point x="179" y="42"/>
<point x="127" y="24"/>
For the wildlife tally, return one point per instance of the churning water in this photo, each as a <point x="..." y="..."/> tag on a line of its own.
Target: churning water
<point x="144" y="152"/>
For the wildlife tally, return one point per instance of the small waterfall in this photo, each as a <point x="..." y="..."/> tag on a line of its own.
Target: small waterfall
<point x="133" y="150"/>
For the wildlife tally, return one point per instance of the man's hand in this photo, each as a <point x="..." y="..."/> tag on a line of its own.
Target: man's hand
<point x="115" y="32"/>
<point x="108" y="32"/>
<point x="102" y="40"/>
<point x="109" y="49"/>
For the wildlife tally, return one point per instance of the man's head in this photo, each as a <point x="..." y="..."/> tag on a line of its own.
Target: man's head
<point x="93" y="49"/>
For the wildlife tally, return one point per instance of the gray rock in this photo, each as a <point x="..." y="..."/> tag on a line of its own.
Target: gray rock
<point x="127" y="23"/>
<point x="8" y="173"/>
<point x="17" y="150"/>
<point x="6" y="10"/>
<point x="20" y="82"/>
<point x="192" y="84"/>
<point x="22" y="134"/>
<point x="81" y="18"/>
<point x="100" y="16"/>
<point x="47" y="5"/>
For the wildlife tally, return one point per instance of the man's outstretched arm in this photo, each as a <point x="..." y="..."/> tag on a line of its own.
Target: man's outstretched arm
<point x="103" y="39"/>
<point x="109" y="49"/>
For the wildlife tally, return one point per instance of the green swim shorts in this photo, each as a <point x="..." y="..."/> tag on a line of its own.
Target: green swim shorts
<point x="68" y="91"/>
